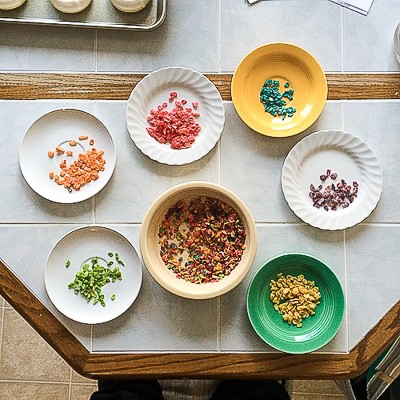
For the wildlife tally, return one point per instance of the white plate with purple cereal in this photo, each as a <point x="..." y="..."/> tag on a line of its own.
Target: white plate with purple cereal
<point x="332" y="180"/>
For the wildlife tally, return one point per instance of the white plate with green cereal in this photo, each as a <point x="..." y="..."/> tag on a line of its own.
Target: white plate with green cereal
<point x="93" y="274"/>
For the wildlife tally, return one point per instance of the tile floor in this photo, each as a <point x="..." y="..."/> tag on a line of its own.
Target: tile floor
<point x="30" y="369"/>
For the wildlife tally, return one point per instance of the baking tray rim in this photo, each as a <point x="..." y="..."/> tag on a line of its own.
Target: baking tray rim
<point x="99" y="25"/>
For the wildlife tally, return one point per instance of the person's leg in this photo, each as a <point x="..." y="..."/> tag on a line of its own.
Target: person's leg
<point x="359" y="386"/>
<point x="250" y="390"/>
<point x="127" y="390"/>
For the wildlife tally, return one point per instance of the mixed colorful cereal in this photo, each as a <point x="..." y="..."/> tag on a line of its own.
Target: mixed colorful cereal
<point x="294" y="297"/>
<point x="273" y="101"/>
<point x="82" y="171"/>
<point x="333" y="197"/>
<point x="201" y="240"/>
<point x="177" y="127"/>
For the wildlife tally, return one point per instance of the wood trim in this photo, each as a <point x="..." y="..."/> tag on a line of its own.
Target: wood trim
<point x="14" y="86"/>
<point x="195" y="365"/>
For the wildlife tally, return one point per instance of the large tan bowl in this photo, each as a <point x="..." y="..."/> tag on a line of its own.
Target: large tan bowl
<point x="150" y="248"/>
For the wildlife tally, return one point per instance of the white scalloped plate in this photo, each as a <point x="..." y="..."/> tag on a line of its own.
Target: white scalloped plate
<point x="79" y="246"/>
<point x="347" y="155"/>
<point x="57" y="128"/>
<point x="153" y="90"/>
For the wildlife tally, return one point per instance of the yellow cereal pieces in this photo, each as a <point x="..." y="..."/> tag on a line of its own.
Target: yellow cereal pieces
<point x="294" y="297"/>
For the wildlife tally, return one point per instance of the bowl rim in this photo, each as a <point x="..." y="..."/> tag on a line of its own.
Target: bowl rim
<point x="188" y="289"/>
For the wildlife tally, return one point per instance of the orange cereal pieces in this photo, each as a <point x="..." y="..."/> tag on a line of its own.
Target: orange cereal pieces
<point x="85" y="169"/>
<point x="82" y="171"/>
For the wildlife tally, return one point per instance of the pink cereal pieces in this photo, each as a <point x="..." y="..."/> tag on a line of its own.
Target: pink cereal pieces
<point x="177" y="127"/>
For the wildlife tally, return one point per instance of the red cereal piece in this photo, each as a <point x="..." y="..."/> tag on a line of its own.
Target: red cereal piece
<point x="177" y="127"/>
<point x="195" y="104"/>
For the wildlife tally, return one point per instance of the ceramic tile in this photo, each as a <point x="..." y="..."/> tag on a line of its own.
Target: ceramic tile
<point x="313" y="386"/>
<point x="23" y="350"/>
<point x="19" y="202"/>
<point x="159" y="320"/>
<point x="39" y="48"/>
<point x="372" y="253"/>
<point x="33" y="391"/>
<point x="1" y="328"/>
<point x="82" y="392"/>
<point x="236" y="331"/>
<point x="368" y="41"/>
<point x="313" y="396"/>
<point x="77" y="378"/>
<point x="244" y="28"/>
<point x="28" y="259"/>
<point x="188" y="37"/>
<point x="251" y="163"/>
<point x="378" y="123"/>
<point x="137" y="179"/>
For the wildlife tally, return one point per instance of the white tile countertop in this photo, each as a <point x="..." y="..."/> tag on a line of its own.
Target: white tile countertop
<point x="211" y="36"/>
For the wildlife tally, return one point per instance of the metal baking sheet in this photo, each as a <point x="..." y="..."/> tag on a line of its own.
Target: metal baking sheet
<point x="99" y="14"/>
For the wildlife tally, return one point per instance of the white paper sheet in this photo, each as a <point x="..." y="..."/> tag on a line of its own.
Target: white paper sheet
<point x="361" y="6"/>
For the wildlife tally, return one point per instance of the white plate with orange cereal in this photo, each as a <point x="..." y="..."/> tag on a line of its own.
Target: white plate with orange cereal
<point x="67" y="155"/>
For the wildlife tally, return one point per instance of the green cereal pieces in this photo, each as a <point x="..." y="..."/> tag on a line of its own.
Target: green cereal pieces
<point x="274" y="101"/>
<point x="93" y="276"/>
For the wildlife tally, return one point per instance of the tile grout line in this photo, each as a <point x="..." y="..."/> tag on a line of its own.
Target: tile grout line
<point x="70" y="384"/>
<point x="342" y="30"/>
<point x="94" y="200"/>
<point x="96" y="48"/>
<point x="346" y="289"/>
<point x="219" y="36"/>
<point x="29" y="381"/>
<point x="91" y="338"/>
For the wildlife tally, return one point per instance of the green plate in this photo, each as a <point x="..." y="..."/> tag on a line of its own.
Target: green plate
<point x="317" y="330"/>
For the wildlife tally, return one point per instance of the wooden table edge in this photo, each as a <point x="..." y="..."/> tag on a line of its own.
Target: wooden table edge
<point x="106" y="86"/>
<point x="158" y="365"/>
<point x="118" y="86"/>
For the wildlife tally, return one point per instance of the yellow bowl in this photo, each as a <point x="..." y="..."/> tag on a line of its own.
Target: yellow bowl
<point x="286" y="63"/>
<point x="150" y="247"/>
